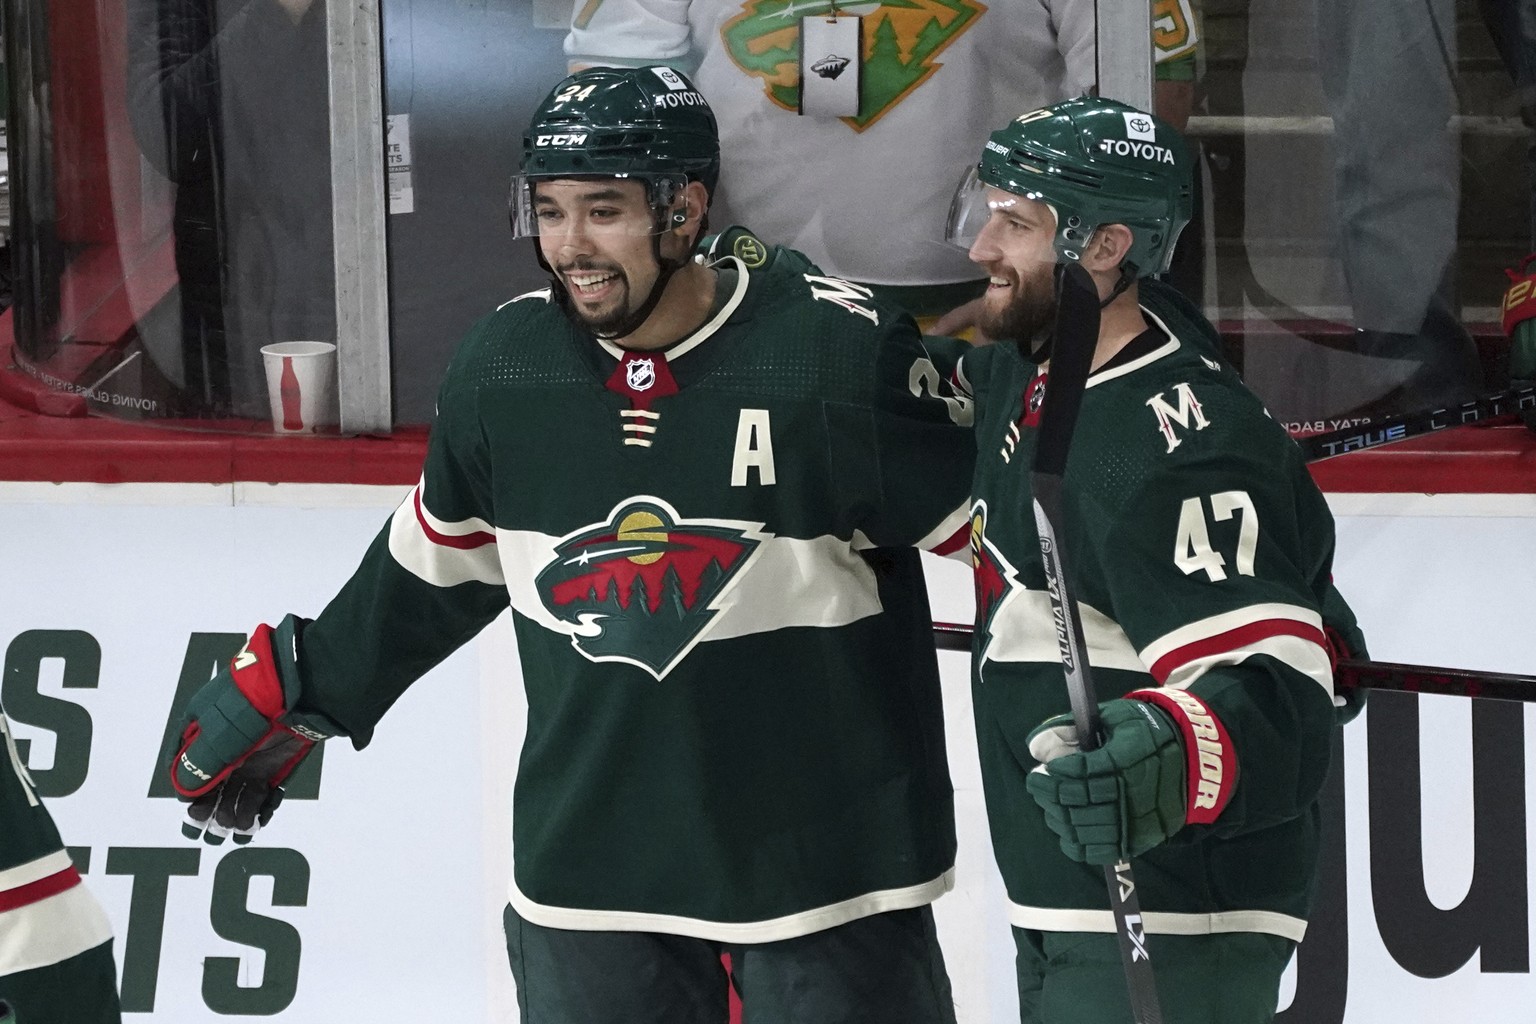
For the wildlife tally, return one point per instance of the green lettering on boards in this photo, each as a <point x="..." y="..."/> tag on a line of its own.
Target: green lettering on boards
<point x="69" y="722"/>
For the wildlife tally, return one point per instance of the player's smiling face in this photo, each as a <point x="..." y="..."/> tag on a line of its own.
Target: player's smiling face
<point x="597" y="235"/>
<point x="1014" y="247"/>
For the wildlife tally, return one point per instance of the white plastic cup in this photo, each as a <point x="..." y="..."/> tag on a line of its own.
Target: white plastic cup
<point x="301" y="385"/>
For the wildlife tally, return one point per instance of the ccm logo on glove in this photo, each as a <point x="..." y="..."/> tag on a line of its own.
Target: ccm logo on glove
<point x="1212" y="763"/>
<point x="186" y="762"/>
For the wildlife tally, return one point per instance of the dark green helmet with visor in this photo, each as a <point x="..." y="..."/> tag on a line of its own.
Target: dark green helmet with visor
<point x="649" y="124"/>
<point x="1093" y="161"/>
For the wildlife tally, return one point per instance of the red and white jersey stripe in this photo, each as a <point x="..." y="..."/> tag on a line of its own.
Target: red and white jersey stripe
<point x="1022" y="630"/>
<point x="441" y="552"/>
<point x="1289" y="633"/>
<point x="46" y="915"/>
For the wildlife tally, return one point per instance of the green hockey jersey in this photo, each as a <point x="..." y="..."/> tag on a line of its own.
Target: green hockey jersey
<point x="711" y="558"/>
<point x="1199" y="552"/>
<point x="46" y="915"/>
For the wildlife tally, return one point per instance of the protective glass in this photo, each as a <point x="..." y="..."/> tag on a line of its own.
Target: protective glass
<point x="604" y="206"/>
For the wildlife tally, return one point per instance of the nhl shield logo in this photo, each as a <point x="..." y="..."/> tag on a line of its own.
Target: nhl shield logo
<point x="640" y="374"/>
<point x="644" y="586"/>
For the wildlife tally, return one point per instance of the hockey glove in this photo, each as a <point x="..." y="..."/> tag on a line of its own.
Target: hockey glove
<point x="1520" y="328"/>
<point x="1165" y="762"/>
<point x="240" y="739"/>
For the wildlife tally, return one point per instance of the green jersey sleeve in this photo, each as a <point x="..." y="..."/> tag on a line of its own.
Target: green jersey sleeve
<point x="1217" y="571"/>
<point x="923" y="446"/>
<point x="429" y="582"/>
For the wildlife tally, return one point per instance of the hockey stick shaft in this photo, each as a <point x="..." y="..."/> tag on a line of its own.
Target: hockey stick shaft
<point x="1318" y="447"/>
<point x="1354" y="673"/>
<point x="1450" y="682"/>
<point x="1077" y="336"/>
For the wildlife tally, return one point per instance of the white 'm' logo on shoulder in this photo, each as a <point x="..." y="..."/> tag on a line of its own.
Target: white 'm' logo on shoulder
<point x="1168" y="415"/>
<point x="835" y="289"/>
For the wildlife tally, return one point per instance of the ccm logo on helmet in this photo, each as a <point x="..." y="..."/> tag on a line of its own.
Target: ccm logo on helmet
<point x="1144" y="150"/>
<point x="560" y="140"/>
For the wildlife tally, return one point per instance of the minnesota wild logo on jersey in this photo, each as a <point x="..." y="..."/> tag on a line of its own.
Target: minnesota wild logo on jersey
<point x="901" y="40"/>
<point x="641" y="587"/>
<point x="994" y="577"/>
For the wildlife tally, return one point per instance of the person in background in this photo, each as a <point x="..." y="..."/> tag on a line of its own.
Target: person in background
<point x="1199" y="552"/>
<point x="701" y="485"/>
<point x="861" y="189"/>
<point x="229" y="101"/>
<point x="1388" y="72"/>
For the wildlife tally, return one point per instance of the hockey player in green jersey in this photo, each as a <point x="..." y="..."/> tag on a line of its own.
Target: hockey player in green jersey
<point x="56" y="963"/>
<point x="1200" y="554"/>
<point x="702" y="486"/>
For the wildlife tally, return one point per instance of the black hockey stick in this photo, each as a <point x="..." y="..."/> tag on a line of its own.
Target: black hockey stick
<point x="1077" y="335"/>
<point x="1354" y="673"/>
<point x="1450" y="682"/>
<point x="1414" y="424"/>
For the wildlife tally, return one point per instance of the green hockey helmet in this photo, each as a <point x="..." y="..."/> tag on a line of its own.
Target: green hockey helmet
<point x="1093" y="161"/>
<point x="648" y="123"/>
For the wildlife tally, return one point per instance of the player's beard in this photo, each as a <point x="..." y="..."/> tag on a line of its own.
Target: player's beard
<point x="1029" y="316"/>
<point x="614" y="312"/>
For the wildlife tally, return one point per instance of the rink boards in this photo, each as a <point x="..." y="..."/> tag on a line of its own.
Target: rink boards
<point x="377" y="893"/>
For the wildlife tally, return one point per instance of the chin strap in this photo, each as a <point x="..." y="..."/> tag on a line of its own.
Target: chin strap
<point x="666" y="268"/>
<point x="1038" y="349"/>
<point x="1128" y="274"/>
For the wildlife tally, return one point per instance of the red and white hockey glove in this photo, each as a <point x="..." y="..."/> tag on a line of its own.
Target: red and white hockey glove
<point x="240" y="739"/>
<point x="1166" y="761"/>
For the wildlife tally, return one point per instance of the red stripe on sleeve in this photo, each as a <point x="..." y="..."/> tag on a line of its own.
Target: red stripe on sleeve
<point x="33" y="892"/>
<point x="1232" y="640"/>
<point x="478" y="539"/>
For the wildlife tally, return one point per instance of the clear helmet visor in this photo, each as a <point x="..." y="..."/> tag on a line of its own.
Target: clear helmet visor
<point x="992" y="224"/>
<point x="1014" y="239"/>
<point x="968" y="211"/>
<point x="601" y="206"/>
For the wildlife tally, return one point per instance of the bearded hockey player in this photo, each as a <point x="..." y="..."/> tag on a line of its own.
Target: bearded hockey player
<point x="1200" y="557"/>
<point x="701" y="485"/>
<point x="56" y="964"/>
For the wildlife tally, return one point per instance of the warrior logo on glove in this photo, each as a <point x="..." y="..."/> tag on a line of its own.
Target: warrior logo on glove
<point x="1212" y="765"/>
<point x="1166" y="762"/>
